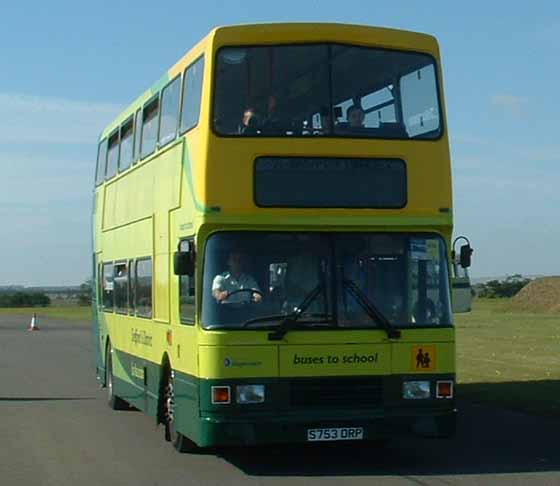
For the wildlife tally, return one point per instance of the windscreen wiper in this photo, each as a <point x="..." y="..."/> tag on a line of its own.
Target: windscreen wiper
<point x="371" y="310"/>
<point x="290" y="322"/>
<point x="277" y="317"/>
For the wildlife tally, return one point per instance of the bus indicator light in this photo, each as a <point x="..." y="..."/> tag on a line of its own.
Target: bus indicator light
<point x="221" y="395"/>
<point x="444" y="389"/>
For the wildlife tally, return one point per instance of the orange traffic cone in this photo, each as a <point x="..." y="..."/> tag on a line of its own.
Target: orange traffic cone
<point x="33" y="324"/>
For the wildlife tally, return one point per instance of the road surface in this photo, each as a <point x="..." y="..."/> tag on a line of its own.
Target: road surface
<point x="56" y="429"/>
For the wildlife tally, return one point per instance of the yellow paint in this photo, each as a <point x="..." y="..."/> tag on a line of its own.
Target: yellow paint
<point x="335" y="360"/>
<point x="238" y="361"/>
<point x="148" y="208"/>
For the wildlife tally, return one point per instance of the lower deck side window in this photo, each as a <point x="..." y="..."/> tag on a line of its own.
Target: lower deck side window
<point x="121" y="287"/>
<point x="107" y="286"/>
<point x="143" y="287"/>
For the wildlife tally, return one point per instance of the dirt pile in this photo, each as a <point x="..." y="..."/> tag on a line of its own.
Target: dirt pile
<point x="540" y="295"/>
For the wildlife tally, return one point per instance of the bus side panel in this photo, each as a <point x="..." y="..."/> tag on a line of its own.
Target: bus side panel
<point x="187" y="406"/>
<point x="127" y="386"/>
<point x="98" y="325"/>
<point x="98" y="351"/>
<point x="137" y="381"/>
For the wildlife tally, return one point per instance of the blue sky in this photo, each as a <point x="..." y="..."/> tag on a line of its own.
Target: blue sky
<point x="69" y="67"/>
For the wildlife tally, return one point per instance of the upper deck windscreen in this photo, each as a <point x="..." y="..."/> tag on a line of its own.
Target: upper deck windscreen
<point x="326" y="90"/>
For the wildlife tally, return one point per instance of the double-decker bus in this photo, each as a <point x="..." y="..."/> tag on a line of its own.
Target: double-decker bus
<point x="272" y="228"/>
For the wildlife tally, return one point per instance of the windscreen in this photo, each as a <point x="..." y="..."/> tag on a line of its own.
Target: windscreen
<point x="250" y="276"/>
<point x="325" y="90"/>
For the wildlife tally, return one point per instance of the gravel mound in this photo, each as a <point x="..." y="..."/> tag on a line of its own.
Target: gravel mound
<point x="540" y="295"/>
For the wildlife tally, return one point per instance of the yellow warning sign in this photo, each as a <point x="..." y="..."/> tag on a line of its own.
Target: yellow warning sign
<point x="423" y="358"/>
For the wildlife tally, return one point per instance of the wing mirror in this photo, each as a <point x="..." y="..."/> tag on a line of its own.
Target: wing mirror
<point x="465" y="253"/>
<point x="465" y="256"/>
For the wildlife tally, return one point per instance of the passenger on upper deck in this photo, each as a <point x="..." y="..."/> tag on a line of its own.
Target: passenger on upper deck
<point x="235" y="286"/>
<point x="249" y="122"/>
<point x="276" y="122"/>
<point x="272" y="119"/>
<point x="355" y="116"/>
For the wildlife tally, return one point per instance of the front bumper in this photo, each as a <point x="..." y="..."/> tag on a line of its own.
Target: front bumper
<point x="293" y="429"/>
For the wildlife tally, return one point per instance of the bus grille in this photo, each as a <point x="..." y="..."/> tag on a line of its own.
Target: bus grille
<point x="336" y="392"/>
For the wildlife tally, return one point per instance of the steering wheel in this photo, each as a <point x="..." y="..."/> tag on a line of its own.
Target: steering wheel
<point x="253" y="291"/>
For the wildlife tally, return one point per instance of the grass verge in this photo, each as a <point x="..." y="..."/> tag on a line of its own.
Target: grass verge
<point x="76" y="313"/>
<point x="509" y="358"/>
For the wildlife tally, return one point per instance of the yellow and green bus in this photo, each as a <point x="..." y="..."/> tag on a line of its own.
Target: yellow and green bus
<point x="272" y="227"/>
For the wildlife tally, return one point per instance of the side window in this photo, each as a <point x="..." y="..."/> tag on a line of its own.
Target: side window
<point x="169" y="111"/>
<point x="187" y="290"/>
<point x="149" y="127"/>
<point x="101" y="161"/>
<point x="131" y="287"/>
<point x="126" y="145"/>
<point x="107" y="286"/>
<point x="420" y="106"/>
<point x="192" y="92"/>
<point x="112" y="155"/>
<point x="143" y="290"/>
<point x="99" y="285"/>
<point x="121" y="287"/>
<point x="137" y="125"/>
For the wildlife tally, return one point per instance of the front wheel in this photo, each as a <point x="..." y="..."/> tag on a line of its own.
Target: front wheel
<point x="180" y="442"/>
<point x="114" y="402"/>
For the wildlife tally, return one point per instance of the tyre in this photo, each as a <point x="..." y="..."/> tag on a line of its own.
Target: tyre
<point x="178" y="440"/>
<point x="114" y="402"/>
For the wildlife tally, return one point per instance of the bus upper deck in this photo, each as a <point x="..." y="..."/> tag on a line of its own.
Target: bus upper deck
<point x="296" y="87"/>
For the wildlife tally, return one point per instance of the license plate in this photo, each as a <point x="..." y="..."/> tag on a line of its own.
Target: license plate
<point x="343" y="433"/>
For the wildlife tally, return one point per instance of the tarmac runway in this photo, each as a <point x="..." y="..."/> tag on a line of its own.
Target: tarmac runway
<point x="56" y="430"/>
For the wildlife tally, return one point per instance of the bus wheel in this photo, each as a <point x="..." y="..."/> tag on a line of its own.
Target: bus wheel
<point x="114" y="402"/>
<point x="178" y="440"/>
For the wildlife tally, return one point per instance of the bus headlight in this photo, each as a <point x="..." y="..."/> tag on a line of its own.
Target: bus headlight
<point x="250" y="393"/>
<point x="415" y="390"/>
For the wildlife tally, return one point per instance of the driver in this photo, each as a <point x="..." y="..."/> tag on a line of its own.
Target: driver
<point x="234" y="280"/>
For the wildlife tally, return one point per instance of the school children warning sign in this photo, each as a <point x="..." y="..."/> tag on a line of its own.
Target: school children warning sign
<point x="423" y="358"/>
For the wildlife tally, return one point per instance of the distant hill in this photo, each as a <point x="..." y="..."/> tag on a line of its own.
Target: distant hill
<point x="482" y="280"/>
<point x="48" y="289"/>
<point x="540" y="295"/>
<point x="12" y="288"/>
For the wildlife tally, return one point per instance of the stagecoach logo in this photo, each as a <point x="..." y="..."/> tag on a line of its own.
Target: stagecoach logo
<point x="234" y="363"/>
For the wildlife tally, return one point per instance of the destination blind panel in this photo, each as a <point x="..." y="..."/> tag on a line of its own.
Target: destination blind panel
<point x="315" y="182"/>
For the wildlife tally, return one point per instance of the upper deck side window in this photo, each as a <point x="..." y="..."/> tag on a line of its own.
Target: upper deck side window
<point x="127" y="142"/>
<point x="169" y="111"/>
<point x="113" y="149"/>
<point x="150" y="119"/>
<point x="101" y="161"/>
<point x="192" y="93"/>
<point x="326" y="90"/>
<point x="137" y="125"/>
